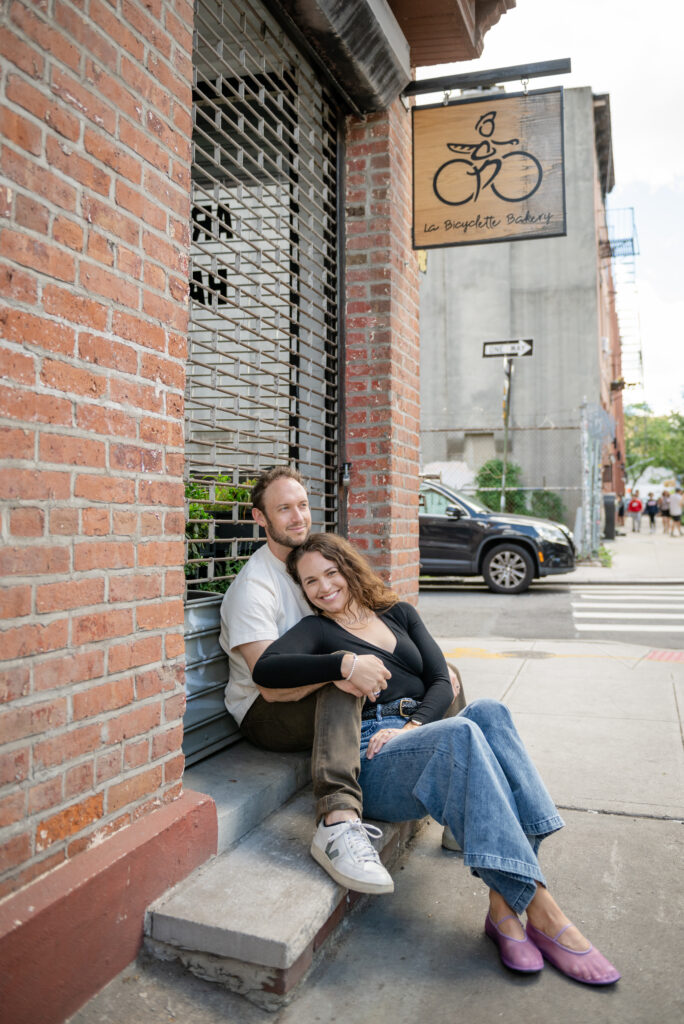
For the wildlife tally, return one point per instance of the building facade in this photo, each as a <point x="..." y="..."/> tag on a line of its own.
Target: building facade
<point x="558" y="292"/>
<point x="205" y="268"/>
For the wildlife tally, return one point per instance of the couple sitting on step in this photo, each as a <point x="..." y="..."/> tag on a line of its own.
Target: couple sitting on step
<point x="374" y="700"/>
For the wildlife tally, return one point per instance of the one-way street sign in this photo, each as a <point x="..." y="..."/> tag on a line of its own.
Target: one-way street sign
<point x="521" y="347"/>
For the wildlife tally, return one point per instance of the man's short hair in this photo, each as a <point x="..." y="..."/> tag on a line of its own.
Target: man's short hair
<point x="267" y="477"/>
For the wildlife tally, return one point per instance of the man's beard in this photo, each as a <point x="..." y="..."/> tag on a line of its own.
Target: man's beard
<point x="284" y="538"/>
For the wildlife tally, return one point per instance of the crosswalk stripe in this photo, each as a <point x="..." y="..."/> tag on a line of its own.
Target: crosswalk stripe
<point x="627" y="615"/>
<point x="628" y="609"/>
<point x="625" y="628"/>
<point x="628" y="597"/>
<point x="627" y="586"/>
<point x="627" y="605"/>
<point x="628" y="592"/>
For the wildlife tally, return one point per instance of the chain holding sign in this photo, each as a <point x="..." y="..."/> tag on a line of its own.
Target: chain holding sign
<point x="489" y="170"/>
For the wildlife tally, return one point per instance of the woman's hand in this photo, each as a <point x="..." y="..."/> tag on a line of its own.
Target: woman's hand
<point x="369" y="676"/>
<point x="380" y="738"/>
<point x="378" y="741"/>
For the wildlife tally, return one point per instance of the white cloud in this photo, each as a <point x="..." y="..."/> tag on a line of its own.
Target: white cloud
<point x="663" y="348"/>
<point x="624" y="48"/>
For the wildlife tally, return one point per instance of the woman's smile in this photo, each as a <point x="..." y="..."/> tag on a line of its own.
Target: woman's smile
<point x="323" y="583"/>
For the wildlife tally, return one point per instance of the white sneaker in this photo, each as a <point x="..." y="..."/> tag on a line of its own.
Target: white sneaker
<point x="449" y="841"/>
<point x="347" y="854"/>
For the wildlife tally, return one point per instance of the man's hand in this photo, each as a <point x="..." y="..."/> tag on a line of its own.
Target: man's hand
<point x="369" y="676"/>
<point x="454" y="680"/>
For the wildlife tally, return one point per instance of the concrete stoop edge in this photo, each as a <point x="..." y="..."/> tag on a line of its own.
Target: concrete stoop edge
<point x="276" y="957"/>
<point x="269" y="988"/>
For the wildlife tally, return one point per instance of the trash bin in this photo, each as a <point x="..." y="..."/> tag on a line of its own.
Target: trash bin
<point x="609" y="510"/>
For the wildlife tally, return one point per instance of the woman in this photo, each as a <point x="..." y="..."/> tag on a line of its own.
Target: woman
<point x="664" y="507"/>
<point x="470" y="772"/>
<point x="651" y="510"/>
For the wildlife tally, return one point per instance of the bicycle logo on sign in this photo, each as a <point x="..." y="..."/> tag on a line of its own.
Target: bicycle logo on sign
<point x="513" y="177"/>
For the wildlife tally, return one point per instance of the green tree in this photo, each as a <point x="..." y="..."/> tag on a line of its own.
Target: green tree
<point x="488" y="480"/>
<point x="673" y="449"/>
<point x="547" y="505"/>
<point x="653" y="441"/>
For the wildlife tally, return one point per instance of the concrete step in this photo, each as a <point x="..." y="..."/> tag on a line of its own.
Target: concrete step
<point x="247" y="785"/>
<point x="254" y="917"/>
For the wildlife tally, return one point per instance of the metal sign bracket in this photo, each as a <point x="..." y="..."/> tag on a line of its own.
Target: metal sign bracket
<point x="485" y="79"/>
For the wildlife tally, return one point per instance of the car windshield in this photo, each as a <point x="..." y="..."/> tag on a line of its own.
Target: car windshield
<point x="436" y="502"/>
<point x="476" y="506"/>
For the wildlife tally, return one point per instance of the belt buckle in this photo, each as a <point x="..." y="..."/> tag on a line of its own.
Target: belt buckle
<point x="406" y="714"/>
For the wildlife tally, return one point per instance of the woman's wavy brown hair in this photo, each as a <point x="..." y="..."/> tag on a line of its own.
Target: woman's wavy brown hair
<point x="365" y="587"/>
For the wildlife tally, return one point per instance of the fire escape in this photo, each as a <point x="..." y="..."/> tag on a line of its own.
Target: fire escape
<point x="624" y="249"/>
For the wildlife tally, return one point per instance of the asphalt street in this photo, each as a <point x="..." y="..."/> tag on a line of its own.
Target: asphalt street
<point x="649" y="614"/>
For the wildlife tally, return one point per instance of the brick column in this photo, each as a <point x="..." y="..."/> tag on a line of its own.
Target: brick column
<point x="383" y="347"/>
<point x="95" y="112"/>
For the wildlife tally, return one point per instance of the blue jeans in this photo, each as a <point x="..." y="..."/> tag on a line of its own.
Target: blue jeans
<point x="473" y="774"/>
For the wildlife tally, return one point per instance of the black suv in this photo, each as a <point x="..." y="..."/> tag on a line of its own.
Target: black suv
<point x="460" y="537"/>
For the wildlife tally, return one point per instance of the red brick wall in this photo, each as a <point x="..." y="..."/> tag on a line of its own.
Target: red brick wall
<point x="383" y="347"/>
<point x="95" y="115"/>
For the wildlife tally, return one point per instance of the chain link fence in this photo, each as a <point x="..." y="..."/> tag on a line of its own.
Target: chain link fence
<point x="553" y="471"/>
<point x="597" y="431"/>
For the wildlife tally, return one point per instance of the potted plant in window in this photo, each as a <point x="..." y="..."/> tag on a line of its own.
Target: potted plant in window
<point x="220" y="533"/>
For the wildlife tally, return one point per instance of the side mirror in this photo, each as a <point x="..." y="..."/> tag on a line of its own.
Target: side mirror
<point x="454" y="512"/>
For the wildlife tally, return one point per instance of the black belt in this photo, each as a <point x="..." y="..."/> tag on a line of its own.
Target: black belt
<point x="403" y="708"/>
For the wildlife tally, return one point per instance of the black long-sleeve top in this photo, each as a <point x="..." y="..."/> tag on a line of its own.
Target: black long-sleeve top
<point x="312" y="651"/>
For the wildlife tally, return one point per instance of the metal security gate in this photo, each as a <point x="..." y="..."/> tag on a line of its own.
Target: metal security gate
<point x="262" y="374"/>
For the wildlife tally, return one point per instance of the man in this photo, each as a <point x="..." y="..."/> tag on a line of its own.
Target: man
<point x="260" y="605"/>
<point x="676" y="501"/>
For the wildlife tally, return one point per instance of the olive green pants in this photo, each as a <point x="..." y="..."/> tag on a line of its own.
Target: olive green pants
<point x="328" y="723"/>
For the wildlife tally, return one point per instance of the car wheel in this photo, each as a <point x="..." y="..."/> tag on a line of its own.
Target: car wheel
<point x="508" y="569"/>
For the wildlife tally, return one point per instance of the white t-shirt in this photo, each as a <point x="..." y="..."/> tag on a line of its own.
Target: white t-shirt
<point x="675" y="504"/>
<point x="262" y="603"/>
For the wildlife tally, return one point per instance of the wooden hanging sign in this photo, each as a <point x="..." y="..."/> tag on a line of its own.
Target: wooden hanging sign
<point x="489" y="169"/>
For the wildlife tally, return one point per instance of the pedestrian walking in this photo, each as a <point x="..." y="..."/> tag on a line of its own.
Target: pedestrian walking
<point x="676" y="501"/>
<point x="634" y="510"/>
<point x="651" y="510"/>
<point x="621" y="511"/>
<point x="664" y="508"/>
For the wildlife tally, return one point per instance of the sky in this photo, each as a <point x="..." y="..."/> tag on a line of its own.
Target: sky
<point x="632" y="51"/>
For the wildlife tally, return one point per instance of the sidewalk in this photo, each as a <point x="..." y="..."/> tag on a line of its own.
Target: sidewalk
<point x="602" y="723"/>
<point x="637" y="558"/>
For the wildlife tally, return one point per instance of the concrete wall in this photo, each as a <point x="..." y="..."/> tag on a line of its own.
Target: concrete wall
<point x="543" y="289"/>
